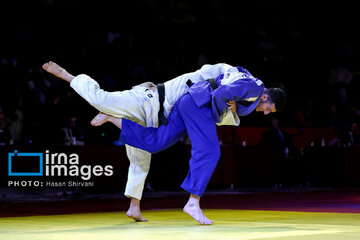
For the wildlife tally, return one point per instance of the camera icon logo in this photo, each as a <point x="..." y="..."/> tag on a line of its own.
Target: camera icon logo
<point x="25" y="164"/>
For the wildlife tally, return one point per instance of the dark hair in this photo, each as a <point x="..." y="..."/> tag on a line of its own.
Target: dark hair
<point x="277" y="96"/>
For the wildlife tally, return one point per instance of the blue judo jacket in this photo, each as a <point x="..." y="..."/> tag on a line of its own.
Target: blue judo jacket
<point x="235" y="84"/>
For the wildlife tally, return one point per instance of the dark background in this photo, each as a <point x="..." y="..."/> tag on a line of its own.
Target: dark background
<point x="296" y="45"/>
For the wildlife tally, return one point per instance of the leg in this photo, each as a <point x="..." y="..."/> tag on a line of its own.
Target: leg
<point x="205" y="154"/>
<point x="58" y="71"/>
<point x="128" y="104"/>
<point x="138" y="171"/>
<point x="133" y="104"/>
<point x="151" y="139"/>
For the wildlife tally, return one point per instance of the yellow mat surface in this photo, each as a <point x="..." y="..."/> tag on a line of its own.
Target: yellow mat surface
<point x="174" y="224"/>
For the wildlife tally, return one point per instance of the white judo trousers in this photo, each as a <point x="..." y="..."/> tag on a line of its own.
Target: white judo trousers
<point x="141" y="105"/>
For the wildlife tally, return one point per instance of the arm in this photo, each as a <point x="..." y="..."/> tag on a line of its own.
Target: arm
<point x="213" y="71"/>
<point x="245" y="92"/>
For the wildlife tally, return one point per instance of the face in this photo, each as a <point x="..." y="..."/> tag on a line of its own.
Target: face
<point x="265" y="106"/>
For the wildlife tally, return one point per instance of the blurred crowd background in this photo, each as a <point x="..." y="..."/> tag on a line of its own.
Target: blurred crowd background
<point x="309" y="49"/>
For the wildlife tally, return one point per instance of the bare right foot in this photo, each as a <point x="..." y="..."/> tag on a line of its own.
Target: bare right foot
<point x="57" y="71"/>
<point x="193" y="209"/>
<point x="102" y="118"/>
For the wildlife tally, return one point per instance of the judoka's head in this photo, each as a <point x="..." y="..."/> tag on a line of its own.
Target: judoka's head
<point x="273" y="100"/>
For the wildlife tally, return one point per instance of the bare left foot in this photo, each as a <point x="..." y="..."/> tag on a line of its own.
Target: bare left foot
<point x="134" y="211"/>
<point x="135" y="214"/>
<point x="100" y="119"/>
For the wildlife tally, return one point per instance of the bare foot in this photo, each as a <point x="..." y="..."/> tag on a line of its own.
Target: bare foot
<point x="193" y="209"/>
<point x="135" y="214"/>
<point x="100" y="119"/>
<point x="58" y="71"/>
<point x="134" y="211"/>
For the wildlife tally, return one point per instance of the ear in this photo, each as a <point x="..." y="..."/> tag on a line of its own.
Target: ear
<point x="264" y="97"/>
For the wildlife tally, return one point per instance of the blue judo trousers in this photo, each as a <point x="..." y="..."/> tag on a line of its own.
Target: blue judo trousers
<point x="185" y="117"/>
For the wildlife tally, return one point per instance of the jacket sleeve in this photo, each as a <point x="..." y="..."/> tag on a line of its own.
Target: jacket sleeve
<point x="213" y="71"/>
<point x="242" y="90"/>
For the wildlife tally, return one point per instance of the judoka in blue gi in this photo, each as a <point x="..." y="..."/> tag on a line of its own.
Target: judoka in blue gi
<point x="197" y="113"/>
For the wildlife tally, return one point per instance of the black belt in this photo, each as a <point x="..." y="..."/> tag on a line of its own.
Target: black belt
<point x="161" y="90"/>
<point x="161" y="116"/>
<point x="213" y="83"/>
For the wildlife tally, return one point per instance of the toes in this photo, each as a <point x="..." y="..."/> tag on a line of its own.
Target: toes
<point x="201" y="221"/>
<point x="206" y="222"/>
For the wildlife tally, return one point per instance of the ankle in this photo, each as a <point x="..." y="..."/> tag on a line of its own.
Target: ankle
<point x="193" y="201"/>
<point x="134" y="203"/>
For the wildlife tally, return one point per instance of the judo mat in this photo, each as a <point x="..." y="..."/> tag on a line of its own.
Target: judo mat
<point x="290" y="216"/>
<point x="174" y="224"/>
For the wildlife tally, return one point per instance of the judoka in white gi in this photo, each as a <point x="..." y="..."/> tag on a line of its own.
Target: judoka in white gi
<point x="141" y="105"/>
